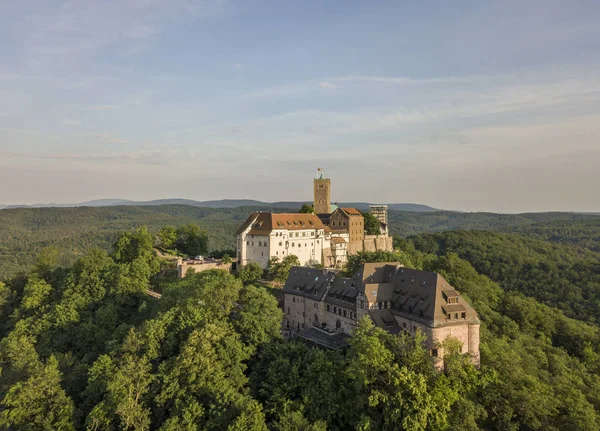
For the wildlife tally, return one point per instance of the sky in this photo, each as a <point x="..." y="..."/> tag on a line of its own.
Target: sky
<point x="466" y="105"/>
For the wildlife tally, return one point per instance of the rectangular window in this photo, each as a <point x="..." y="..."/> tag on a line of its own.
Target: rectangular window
<point x="463" y="315"/>
<point x="433" y="352"/>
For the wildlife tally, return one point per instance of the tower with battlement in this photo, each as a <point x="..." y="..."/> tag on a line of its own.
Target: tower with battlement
<point x="322" y="193"/>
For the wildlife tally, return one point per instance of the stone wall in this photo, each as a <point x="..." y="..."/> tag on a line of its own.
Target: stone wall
<point x="294" y="310"/>
<point x="335" y="315"/>
<point x="301" y="313"/>
<point x="184" y="267"/>
<point x="467" y="334"/>
<point x="371" y="243"/>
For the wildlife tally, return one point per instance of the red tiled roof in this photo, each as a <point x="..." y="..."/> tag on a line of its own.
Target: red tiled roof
<point x="264" y="223"/>
<point x="351" y="211"/>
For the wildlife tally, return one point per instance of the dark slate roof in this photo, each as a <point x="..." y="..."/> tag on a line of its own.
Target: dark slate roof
<point x="309" y="282"/>
<point x="324" y="217"/>
<point x="419" y="295"/>
<point x="383" y="318"/>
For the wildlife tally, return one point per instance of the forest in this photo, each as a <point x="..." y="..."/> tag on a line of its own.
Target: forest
<point x="74" y="231"/>
<point x="82" y="346"/>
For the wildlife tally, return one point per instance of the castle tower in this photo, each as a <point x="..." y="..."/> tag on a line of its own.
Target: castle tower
<point x="322" y="193"/>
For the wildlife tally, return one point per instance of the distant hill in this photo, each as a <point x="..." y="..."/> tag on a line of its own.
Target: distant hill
<point x="222" y="203"/>
<point x="24" y="232"/>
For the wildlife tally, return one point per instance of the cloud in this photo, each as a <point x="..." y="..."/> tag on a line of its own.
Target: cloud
<point x="141" y="32"/>
<point x="237" y="66"/>
<point x="326" y="84"/>
<point x="70" y="122"/>
<point x="109" y="139"/>
<point x="400" y="80"/>
<point x="77" y="29"/>
<point x="105" y="107"/>
<point x="139" y="157"/>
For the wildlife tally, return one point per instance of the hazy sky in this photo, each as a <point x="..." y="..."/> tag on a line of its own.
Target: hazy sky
<point x="470" y="105"/>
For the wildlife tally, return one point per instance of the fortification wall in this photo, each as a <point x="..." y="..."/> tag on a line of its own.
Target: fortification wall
<point x="371" y="243"/>
<point x="184" y="267"/>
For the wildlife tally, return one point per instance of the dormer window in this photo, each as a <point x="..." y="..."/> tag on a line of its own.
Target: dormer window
<point x="450" y="296"/>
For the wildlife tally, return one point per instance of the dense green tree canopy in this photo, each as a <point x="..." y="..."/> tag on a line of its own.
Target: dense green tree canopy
<point x="278" y="270"/>
<point x="307" y="209"/>
<point x="251" y="273"/>
<point x="372" y="224"/>
<point x="191" y="240"/>
<point x="83" y="347"/>
<point x="564" y="277"/>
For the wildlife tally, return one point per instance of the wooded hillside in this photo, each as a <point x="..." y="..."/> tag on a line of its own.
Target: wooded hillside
<point x="25" y="231"/>
<point x="83" y="347"/>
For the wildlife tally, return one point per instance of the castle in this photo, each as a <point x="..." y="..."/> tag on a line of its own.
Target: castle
<point x="322" y="308"/>
<point x="324" y="237"/>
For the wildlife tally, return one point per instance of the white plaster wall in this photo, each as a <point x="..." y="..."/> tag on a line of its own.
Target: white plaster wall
<point x="306" y="244"/>
<point x="257" y="253"/>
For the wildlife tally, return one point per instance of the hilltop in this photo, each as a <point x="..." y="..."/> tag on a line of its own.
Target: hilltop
<point x="221" y="203"/>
